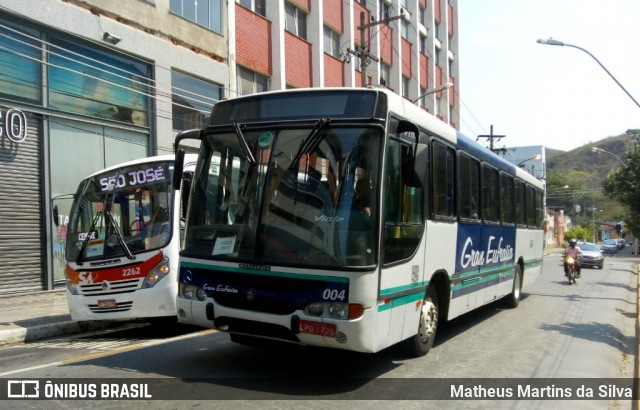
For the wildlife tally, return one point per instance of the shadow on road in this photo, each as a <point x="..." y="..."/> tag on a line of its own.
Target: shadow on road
<point x="596" y="332"/>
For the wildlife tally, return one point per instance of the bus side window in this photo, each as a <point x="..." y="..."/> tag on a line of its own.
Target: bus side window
<point x="404" y="207"/>
<point x="442" y="181"/>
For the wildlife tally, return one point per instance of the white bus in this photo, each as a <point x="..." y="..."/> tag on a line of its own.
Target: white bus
<point x="123" y="239"/>
<point x="350" y="219"/>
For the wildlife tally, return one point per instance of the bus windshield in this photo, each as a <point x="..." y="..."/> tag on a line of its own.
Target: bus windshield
<point x="121" y="212"/>
<point x="288" y="196"/>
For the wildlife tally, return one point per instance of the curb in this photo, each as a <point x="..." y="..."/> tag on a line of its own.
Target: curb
<point x="20" y="335"/>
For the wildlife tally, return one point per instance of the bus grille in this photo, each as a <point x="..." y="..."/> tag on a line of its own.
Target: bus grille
<point x="112" y="288"/>
<point x="250" y="327"/>
<point x="120" y="307"/>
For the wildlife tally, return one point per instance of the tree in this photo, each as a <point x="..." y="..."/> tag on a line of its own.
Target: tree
<point x="624" y="186"/>
<point x="580" y="233"/>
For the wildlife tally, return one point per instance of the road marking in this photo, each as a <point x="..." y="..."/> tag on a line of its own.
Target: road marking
<point x="110" y="352"/>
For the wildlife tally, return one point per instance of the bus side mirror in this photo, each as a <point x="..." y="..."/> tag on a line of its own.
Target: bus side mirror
<point x="177" y="169"/>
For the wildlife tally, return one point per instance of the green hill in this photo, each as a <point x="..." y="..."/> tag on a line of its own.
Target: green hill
<point x="587" y="170"/>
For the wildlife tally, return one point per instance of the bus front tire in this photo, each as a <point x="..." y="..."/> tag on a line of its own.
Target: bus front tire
<point x="420" y="344"/>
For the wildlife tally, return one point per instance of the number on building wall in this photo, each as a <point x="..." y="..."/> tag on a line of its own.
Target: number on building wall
<point x="14" y="125"/>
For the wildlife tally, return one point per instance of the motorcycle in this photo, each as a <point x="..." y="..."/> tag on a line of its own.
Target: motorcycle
<point x="572" y="270"/>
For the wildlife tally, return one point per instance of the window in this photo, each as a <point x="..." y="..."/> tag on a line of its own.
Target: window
<point x="469" y="188"/>
<point x="404" y="27"/>
<point x="383" y="9"/>
<point x="423" y="16"/>
<point x="539" y="209"/>
<point x="385" y="74"/>
<point x="192" y="99"/>
<point x="91" y="81"/>
<point x="490" y="194"/>
<point x="331" y="42"/>
<point x="21" y="74"/>
<point x="520" y="204"/>
<point x="423" y="44"/>
<point x="403" y="207"/>
<point x="207" y="13"/>
<point x="442" y="180"/>
<point x="531" y="207"/>
<point x="405" y="87"/>
<point x="257" y="6"/>
<point x="296" y="21"/>
<point x="506" y="199"/>
<point x="250" y="82"/>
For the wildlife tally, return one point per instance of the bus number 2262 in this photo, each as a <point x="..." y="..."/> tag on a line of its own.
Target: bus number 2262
<point x="333" y="294"/>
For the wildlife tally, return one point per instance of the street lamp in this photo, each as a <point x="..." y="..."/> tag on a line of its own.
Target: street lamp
<point x="434" y="90"/>
<point x="552" y="42"/>
<point x="596" y="149"/>
<point x="533" y="158"/>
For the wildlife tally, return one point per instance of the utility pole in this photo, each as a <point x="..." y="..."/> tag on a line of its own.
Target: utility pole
<point x="362" y="50"/>
<point x="492" y="137"/>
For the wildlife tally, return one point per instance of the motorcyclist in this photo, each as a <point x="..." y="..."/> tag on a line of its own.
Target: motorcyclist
<point x="574" y="251"/>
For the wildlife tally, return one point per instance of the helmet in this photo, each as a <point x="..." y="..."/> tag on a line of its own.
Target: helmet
<point x="573" y="241"/>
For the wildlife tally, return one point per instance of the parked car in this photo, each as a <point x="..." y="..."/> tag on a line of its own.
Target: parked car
<point x="621" y="243"/>
<point x="609" y="246"/>
<point x="591" y="255"/>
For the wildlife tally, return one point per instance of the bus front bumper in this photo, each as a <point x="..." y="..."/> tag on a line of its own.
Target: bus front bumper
<point x="143" y="303"/>
<point x="298" y="327"/>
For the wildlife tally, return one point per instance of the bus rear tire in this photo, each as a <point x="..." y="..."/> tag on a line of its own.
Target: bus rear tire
<point x="420" y="344"/>
<point x="513" y="299"/>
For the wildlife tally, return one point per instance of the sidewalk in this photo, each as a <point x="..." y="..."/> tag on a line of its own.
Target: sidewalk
<point x="25" y="317"/>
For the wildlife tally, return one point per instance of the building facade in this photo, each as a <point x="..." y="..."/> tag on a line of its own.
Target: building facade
<point x="87" y="84"/>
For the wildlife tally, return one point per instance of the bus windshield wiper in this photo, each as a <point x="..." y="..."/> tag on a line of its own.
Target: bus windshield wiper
<point x="244" y="144"/>
<point x="83" y="247"/>
<point x="311" y="142"/>
<point x="111" y="221"/>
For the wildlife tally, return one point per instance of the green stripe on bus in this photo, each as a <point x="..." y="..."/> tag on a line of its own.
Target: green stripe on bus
<point x="265" y="272"/>
<point x="401" y="301"/>
<point x="403" y="288"/>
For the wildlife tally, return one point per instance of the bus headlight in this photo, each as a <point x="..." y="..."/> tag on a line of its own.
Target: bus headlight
<point x="337" y="311"/>
<point x="157" y="273"/>
<point x="188" y="291"/>
<point x="72" y="287"/>
<point x="316" y="309"/>
<point x="333" y="310"/>
<point x="201" y="294"/>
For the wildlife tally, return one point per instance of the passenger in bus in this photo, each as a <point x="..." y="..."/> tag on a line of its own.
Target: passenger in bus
<point x="363" y="194"/>
<point x="359" y="248"/>
<point x="360" y="159"/>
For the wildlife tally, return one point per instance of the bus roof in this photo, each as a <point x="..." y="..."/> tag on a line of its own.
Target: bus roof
<point x="403" y="108"/>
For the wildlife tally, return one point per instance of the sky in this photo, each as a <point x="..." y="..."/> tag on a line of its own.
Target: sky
<point x="536" y="94"/>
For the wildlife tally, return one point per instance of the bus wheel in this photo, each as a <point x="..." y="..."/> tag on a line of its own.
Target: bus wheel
<point x="513" y="299"/>
<point x="420" y="344"/>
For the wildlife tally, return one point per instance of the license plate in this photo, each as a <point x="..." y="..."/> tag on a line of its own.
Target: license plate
<point x="106" y="304"/>
<point x="316" y="328"/>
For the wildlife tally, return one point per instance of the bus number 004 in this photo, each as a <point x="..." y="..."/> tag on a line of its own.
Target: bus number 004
<point x="333" y="294"/>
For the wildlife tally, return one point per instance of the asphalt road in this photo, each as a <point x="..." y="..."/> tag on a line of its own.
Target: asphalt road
<point x="559" y="333"/>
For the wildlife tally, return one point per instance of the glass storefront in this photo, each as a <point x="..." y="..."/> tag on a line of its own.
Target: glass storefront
<point x="108" y="95"/>
<point x="83" y="148"/>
